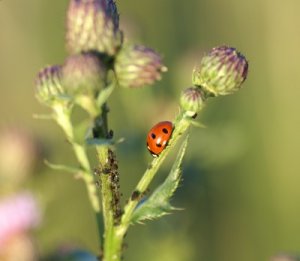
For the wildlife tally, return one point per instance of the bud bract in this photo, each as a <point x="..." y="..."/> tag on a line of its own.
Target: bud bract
<point x="222" y="71"/>
<point x="192" y="100"/>
<point x="93" y="25"/>
<point x="83" y="74"/>
<point x="137" y="65"/>
<point x="48" y="85"/>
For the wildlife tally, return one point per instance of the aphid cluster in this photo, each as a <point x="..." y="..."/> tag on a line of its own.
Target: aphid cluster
<point x="110" y="168"/>
<point x="115" y="186"/>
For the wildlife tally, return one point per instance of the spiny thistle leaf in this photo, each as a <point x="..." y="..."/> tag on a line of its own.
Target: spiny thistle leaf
<point x="158" y="204"/>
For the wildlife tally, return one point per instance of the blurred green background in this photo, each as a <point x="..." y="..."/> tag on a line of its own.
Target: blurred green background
<point x="241" y="174"/>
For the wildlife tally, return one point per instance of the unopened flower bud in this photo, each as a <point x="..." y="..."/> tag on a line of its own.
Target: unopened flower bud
<point x="192" y="101"/>
<point x="48" y="85"/>
<point x="221" y="72"/>
<point x="83" y="74"/>
<point x="93" y="25"/>
<point x="112" y="10"/>
<point x="137" y="65"/>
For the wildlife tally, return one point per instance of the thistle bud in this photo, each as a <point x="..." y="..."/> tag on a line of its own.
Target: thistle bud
<point x="48" y="85"/>
<point x="192" y="101"/>
<point x="93" y="25"/>
<point x="137" y="65"/>
<point x="83" y="74"/>
<point x="221" y="72"/>
<point x="111" y="9"/>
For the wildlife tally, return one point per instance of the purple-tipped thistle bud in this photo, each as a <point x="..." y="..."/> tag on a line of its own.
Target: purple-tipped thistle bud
<point x="48" y="85"/>
<point x="111" y="9"/>
<point x="137" y="65"/>
<point x="222" y="71"/>
<point x="93" y="25"/>
<point x="83" y="74"/>
<point x="192" y="101"/>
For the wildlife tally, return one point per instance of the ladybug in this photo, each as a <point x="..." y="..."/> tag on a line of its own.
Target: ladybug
<point x="158" y="137"/>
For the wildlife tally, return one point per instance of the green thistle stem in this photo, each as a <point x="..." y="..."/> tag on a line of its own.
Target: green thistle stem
<point x="88" y="104"/>
<point x="112" y="246"/>
<point x="181" y="125"/>
<point x="63" y="118"/>
<point x="106" y="192"/>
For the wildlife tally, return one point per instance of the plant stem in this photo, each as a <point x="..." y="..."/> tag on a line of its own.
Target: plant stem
<point x="63" y="118"/>
<point x="110" y="195"/>
<point x="112" y="245"/>
<point x="181" y="124"/>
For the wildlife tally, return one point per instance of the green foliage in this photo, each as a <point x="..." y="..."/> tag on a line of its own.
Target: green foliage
<point x="62" y="167"/>
<point x="98" y="62"/>
<point x="104" y="94"/>
<point x="158" y="204"/>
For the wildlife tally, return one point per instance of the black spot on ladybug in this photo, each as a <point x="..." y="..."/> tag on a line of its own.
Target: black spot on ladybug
<point x="165" y="131"/>
<point x="135" y="195"/>
<point x="158" y="145"/>
<point x="153" y="136"/>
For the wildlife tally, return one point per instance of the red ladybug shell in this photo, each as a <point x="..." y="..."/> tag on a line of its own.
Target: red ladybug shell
<point x="158" y="137"/>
